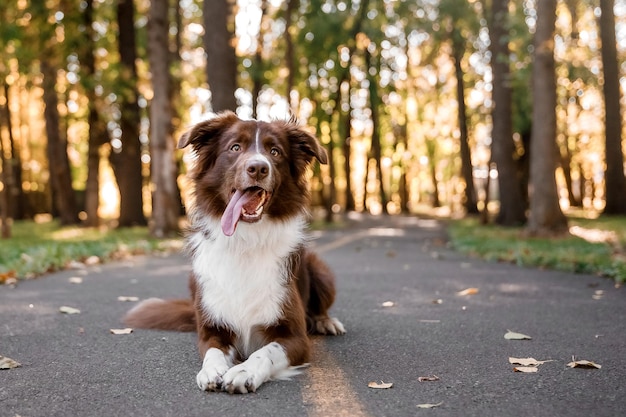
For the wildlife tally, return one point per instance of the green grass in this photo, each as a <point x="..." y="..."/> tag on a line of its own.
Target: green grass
<point x="600" y="252"/>
<point x="38" y="248"/>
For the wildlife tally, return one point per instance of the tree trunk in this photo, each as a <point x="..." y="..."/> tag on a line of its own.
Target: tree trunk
<point x="545" y="217"/>
<point x="502" y="147"/>
<point x="126" y="162"/>
<point x="97" y="132"/>
<point x="6" y="179"/>
<point x="163" y="169"/>
<point x="615" y="181"/>
<point x="431" y="149"/>
<point x="346" y="148"/>
<point x="291" y="8"/>
<point x="63" y="197"/>
<point x="469" y="200"/>
<point x="221" y="58"/>
<point x="376" y="145"/>
<point x="400" y="133"/>
<point x="18" y="203"/>
<point x="257" y="69"/>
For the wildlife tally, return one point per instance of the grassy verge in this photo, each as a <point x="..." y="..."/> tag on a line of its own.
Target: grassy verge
<point x="38" y="248"/>
<point x="596" y="246"/>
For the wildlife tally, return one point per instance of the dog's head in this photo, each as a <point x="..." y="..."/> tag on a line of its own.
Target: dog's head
<point x="248" y="169"/>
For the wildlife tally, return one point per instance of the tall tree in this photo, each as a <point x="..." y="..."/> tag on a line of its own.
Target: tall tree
<point x="615" y="181"/>
<point x="291" y="6"/>
<point x="63" y="196"/>
<point x="97" y="135"/>
<point x="6" y="180"/>
<point x="545" y="216"/>
<point x="126" y="162"/>
<point x="165" y="200"/>
<point x="373" y="69"/>
<point x="467" y="171"/>
<point x="512" y="210"/>
<point x="221" y="63"/>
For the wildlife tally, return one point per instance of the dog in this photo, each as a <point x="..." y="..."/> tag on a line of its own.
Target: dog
<point x="257" y="291"/>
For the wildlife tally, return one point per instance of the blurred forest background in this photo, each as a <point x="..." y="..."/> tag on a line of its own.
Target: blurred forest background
<point x="508" y="110"/>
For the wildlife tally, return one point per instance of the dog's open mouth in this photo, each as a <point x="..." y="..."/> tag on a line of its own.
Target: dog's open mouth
<point x="245" y="205"/>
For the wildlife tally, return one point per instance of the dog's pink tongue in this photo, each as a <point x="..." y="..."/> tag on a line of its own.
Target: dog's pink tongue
<point x="248" y="200"/>
<point x="233" y="213"/>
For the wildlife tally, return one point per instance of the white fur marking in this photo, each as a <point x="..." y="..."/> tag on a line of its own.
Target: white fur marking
<point x="243" y="277"/>
<point x="257" y="140"/>
<point x="214" y="365"/>
<point x="269" y="362"/>
<point x="257" y="145"/>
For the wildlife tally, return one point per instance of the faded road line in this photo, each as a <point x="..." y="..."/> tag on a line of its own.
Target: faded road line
<point x="328" y="391"/>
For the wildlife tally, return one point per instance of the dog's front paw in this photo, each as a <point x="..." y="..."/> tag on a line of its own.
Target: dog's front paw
<point x="328" y="325"/>
<point x="210" y="378"/>
<point x="214" y="365"/>
<point x="242" y="379"/>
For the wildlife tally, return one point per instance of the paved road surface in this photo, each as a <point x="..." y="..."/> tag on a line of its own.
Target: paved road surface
<point x="73" y="366"/>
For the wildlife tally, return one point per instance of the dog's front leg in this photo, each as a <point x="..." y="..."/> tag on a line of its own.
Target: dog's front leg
<point x="218" y="356"/>
<point x="269" y="362"/>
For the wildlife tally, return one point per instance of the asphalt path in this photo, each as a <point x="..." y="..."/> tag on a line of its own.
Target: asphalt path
<point x="398" y="296"/>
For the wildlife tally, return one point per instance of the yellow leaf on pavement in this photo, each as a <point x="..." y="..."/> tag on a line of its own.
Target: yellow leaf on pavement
<point x="428" y="378"/>
<point x="380" y="385"/>
<point x="8" y="363"/>
<point x="468" y="291"/>
<point x="69" y="310"/>
<point x="526" y="369"/>
<point x="584" y="364"/>
<point x="526" y="361"/>
<point x="429" y="405"/>
<point x="516" y="336"/>
<point x="127" y="330"/>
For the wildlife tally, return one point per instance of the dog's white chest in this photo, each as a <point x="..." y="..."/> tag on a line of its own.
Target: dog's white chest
<point x="243" y="278"/>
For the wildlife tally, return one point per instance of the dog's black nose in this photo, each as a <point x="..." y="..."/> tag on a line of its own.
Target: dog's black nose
<point x="257" y="169"/>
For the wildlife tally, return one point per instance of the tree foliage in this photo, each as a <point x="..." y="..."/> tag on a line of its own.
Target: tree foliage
<point x="421" y="104"/>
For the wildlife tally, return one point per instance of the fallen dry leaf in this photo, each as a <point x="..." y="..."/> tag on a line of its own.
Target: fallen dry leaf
<point x="428" y="378"/>
<point x="8" y="363"/>
<point x="69" y="310"/>
<point x="526" y="369"/>
<point x="583" y="364"/>
<point x="92" y="260"/>
<point x="75" y="265"/>
<point x="6" y="276"/>
<point x="127" y="330"/>
<point x="437" y="301"/>
<point x="429" y="405"/>
<point x="127" y="298"/>
<point x="381" y="385"/>
<point x="468" y="291"/>
<point x="526" y="361"/>
<point x="516" y="336"/>
<point x="75" y="280"/>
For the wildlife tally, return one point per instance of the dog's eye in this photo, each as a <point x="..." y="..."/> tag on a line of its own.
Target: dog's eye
<point x="236" y="147"/>
<point x="274" y="152"/>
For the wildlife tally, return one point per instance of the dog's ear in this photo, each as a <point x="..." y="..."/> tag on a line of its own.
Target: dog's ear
<point x="306" y="144"/>
<point x="203" y="132"/>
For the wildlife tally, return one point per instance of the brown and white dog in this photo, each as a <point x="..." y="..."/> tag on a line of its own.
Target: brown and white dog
<point x="256" y="290"/>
